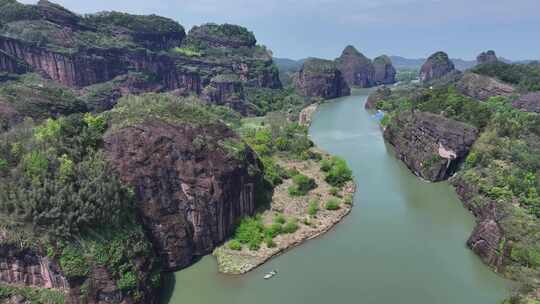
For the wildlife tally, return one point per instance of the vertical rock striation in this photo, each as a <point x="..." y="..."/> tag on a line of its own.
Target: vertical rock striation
<point x="357" y="69"/>
<point x="431" y="145"/>
<point x="321" y="78"/>
<point x="190" y="191"/>
<point x="436" y="66"/>
<point x="385" y="73"/>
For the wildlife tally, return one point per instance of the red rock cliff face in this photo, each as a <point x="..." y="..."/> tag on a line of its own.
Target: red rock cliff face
<point x="190" y="192"/>
<point x="69" y="69"/>
<point x="27" y="268"/>
<point x="487" y="236"/>
<point x="430" y="145"/>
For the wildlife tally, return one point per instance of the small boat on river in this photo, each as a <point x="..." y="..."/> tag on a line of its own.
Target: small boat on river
<point x="270" y="275"/>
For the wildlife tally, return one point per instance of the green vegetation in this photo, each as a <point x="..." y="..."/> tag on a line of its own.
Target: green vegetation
<point x="270" y="100"/>
<point x="302" y="185"/>
<point x="337" y="171"/>
<point x="206" y="35"/>
<point x="318" y="66"/>
<point x="291" y="226"/>
<point x="313" y="208"/>
<point x="187" y="51"/>
<point x="332" y="204"/>
<point x="407" y="75"/>
<point x="525" y="76"/>
<point x="502" y="167"/>
<point x="33" y="295"/>
<point x="40" y="99"/>
<point x="136" y="23"/>
<point x="441" y="100"/>
<point x="235" y="245"/>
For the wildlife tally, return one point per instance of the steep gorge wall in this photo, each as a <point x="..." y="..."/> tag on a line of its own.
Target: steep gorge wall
<point x="190" y="195"/>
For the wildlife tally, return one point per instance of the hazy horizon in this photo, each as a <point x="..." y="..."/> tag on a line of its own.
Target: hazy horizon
<point x="322" y="28"/>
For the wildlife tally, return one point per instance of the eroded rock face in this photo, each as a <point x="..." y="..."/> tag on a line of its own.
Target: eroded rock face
<point x="357" y="69"/>
<point x="483" y="87"/>
<point x="436" y="66"/>
<point x="487" y="236"/>
<point x="529" y="102"/>
<point x="379" y="95"/>
<point x="190" y="191"/>
<point x="431" y="145"/>
<point x="385" y="73"/>
<point x="26" y="267"/>
<point x="487" y="57"/>
<point x="321" y="78"/>
<point x="8" y="116"/>
<point x="226" y="90"/>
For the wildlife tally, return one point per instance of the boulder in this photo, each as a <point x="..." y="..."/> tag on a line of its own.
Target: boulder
<point x="431" y="145"/>
<point x="435" y="67"/>
<point x="321" y="78"/>
<point x="357" y="69"/>
<point x="483" y="87"/>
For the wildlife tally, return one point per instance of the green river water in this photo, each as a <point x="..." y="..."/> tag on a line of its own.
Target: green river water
<point x="404" y="241"/>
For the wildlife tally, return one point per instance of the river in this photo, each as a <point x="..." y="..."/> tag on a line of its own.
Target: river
<point x="404" y="241"/>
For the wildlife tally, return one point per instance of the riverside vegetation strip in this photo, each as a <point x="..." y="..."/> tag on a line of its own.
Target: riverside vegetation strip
<point x="313" y="192"/>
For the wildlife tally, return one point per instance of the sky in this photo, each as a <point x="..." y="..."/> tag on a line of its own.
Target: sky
<point x="322" y="28"/>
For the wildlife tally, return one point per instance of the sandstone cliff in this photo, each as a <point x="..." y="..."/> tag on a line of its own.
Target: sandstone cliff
<point x="435" y="67"/>
<point x="385" y="73"/>
<point x="321" y="78"/>
<point x="529" y="102"/>
<point x="190" y="191"/>
<point x="431" y="145"/>
<point x="357" y="69"/>
<point x="486" y="57"/>
<point x="483" y="87"/>
<point x="81" y="51"/>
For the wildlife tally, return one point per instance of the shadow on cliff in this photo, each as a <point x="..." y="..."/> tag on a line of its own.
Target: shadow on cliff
<point x="167" y="287"/>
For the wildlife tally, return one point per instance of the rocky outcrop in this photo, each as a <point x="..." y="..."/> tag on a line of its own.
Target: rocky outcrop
<point x="27" y="268"/>
<point x="8" y="116"/>
<point x="529" y="102"/>
<point x="486" y="57"/>
<point x="104" y="96"/>
<point x="487" y="236"/>
<point x="379" y="95"/>
<point x="357" y="69"/>
<point x="431" y="145"/>
<point x="192" y="184"/>
<point x="385" y="73"/>
<point x="483" y="87"/>
<point x="81" y="51"/>
<point x="435" y="67"/>
<point x="306" y="115"/>
<point x="321" y="78"/>
<point x="226" y="90"/>
<point x="221" y="36"/>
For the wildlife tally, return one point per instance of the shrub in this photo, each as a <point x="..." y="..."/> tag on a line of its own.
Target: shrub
<point x="291" y="226"/>
<point x="250" y="231"/>
<point x="313" y="208"/>
<point x="339" y="173"/>
<point x="269" y="242"/>
<point x="274" y="230"/>
<point x="127" y="281"/>
<point x="280" y="219"/>
<point x="348" y="200"/>
<point x="235" y="245"/>
<point x="332" y="204"/>
<point x="72" y="262"/>
<point x="302" y="185"/>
